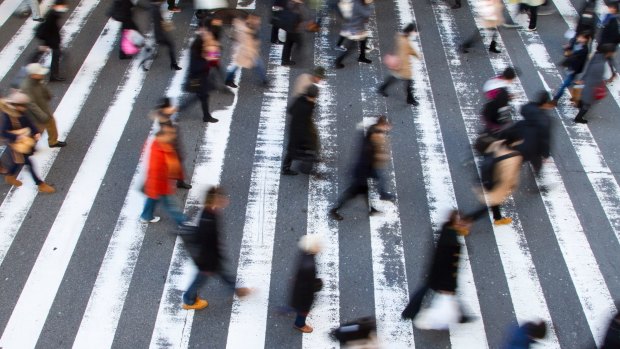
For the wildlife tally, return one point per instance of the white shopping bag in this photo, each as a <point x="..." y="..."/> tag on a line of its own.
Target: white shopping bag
<point x="210" y="4"/>
<point x="442" y="312"/>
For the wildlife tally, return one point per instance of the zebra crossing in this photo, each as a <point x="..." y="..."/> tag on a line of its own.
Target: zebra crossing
<point x="80" y="270"/>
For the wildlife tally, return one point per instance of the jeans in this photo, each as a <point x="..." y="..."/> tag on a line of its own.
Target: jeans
<point x="189" y="297"/>
<point x="259" y="69"/>
<point x="379" y="176"/>
<point x="300" y="320"/>
<point x="169" y="205"/>
<point x="568" y="80"/>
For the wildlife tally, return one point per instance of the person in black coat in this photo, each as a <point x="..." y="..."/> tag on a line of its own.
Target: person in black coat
<point x="306" y="284"/>
<point x="444" y="268"/>
<point x="209" y="255"/>
<point x="612" y="337"/>
<point x="278" y="5"/>
<point x="49" y="33"/>
<point x="576" y="58"/>
<point x="496" y="110"/>
<point x="161" y="35"/>
<point x="535" y="130"/>
<point x="303" y="139"/>
<point x="290" y="19"/>
<point x="122" y="11"/>
<point x="609" y="34"/>
<point x="197" y="80"/>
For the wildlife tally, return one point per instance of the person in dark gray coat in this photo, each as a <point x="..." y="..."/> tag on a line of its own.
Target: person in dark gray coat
<point x="535" y="130"/>
<point x="303" y="139"/>
<point x="593" y="78"/>
<point x="306" y="282"/>
<point x="161" y="34"/>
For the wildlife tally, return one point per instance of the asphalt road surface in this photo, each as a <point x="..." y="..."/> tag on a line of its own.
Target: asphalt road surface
<point x="78" y="269"/>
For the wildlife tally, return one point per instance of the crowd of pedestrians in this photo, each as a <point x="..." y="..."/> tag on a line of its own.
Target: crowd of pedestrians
<point x="503" y="144"/>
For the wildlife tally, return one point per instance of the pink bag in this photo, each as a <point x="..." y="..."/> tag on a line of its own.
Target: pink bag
<point x="127" y="45"/>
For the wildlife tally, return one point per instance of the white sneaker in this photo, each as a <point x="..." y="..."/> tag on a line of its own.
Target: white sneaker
<point x="154" y="220"/>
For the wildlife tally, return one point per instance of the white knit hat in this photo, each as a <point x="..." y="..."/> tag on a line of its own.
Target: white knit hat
<point x="18" y="97"/>
<point x="311" y="243"/>
<point x="36" y="68"/>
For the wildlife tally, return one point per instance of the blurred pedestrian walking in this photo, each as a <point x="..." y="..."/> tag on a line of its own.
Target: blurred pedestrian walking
<point x="49" y="33"/>
<point x="246" y="50"/>
<point x="497" y="112"/>
<point x="278" y="5"/>
<point x="401" y="68"/>
<point x="40" y="97"/>
<point x="593" y="81"/>
<point x="441" y="283"/>
<point x="305" y="80"/>
<point x="206" y="249"/>
<point x="610" y="34"/>
<point x="303" y="138"/>
<point x="21" y="136"/>
<point x="522" y="337"/>
<point x="576" y="58"/>
<point x="122" y="11"/>
<point x="535" y="130"/>
<point x="306" y="282"/>
<point x="291" y="20"/>
<point x="35" y="7"/>
<point x="530" y="7"/>
<point x="491" y="14"/>
<point x="164" y="169"/>
<point x="162" y="28"/>
<point x="373" y="158"/>
<point x="354" y="30"/>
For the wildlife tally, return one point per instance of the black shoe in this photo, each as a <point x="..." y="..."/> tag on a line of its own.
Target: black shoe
<point x="288" y="172"/>
<point x="58" y="144"/>
<point x="387" y="197"/>
<point x="231" y="84"/>
<point x="382" y="92"/>
<point x="288" y="63"/>
<point x="122" y="56"/>
<point x="456" y="6"/>
<point x="333" y="214"/>
<point x="581" y="121"/>
<point x="175" y="67"/>
<point x="463" y="48"/>
<point x="40" y="19"/>
<point x="57" y="78"/>
<point x="278" y="42"/>
<point x="182" y="185"/>
<point x="413" y="102"/>
<point x="374" y="212"/>
<point x="210" y="119"/>
<point x="364" y="60"/>
<point x="339" y="65"/>
<point x="493" y="47"/>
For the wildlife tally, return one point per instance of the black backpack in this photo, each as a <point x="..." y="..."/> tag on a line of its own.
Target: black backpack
<point x="487" y="168"/>
<point x="359" y="329"/>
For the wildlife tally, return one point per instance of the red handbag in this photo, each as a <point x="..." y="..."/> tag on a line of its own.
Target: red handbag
<point x="600" y="92"/>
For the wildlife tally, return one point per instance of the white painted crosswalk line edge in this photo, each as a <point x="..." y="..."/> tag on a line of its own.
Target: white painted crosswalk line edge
<point x="35" y="301"/>
<point x="248" y="319"/>
<point x="390" y="284"/>
<point x="17" y="202"/>
<point x="7" y="9"/>
<point x="103" y="311"/>
<point x="440" y="190"/>
<point x="525" y="290"/>
<point x="325" y="313"/>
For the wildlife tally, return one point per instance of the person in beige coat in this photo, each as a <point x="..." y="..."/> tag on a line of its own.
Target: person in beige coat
<point x="491" y="14"/>
<point x="505" y="176"/>
<point x="40" y="97"/>
<point x="246" y="52"/>
<point x="401" y="67"/>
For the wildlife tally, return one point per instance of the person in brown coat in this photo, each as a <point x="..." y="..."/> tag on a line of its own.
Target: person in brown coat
<point x="246" y="52"/>
<point x="40" y="97"/>
<point x="403" y="70"/>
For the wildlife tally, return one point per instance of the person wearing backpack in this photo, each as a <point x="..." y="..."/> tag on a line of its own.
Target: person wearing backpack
<point x="535" y="128"/>
<point x="209" y="256"/>
<point x="500" y="172"/>
<point x="49" y="33"/>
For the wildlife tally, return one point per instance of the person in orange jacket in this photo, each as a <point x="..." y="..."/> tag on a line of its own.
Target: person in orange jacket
<point x="164" y="169"/>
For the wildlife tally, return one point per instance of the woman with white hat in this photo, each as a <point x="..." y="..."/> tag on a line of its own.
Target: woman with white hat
<point x="306" y="283"/>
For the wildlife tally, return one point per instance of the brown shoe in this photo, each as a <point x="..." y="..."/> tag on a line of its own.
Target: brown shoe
<point x="243" y="291"/>
<point x="198" y="304"/>
<point x="503" y="221"/>
<point x="46" y="188"/>
<point x="12" y="180"/>
<point x="305" y="329"/>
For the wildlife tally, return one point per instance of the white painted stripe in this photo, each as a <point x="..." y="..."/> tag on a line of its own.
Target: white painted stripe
<point x="35" y="301"/>
<point x="440" y="190"/>
<point x="248" y="319"/>
<point x="388" y="257"/>
<point x="7" y="9"/>
<point x="173" y="325"/>
<point x="525" y="289"/>
<point x="19" y="42"/>
<point x="17" y="202"/>
<point x="325" y="314"/>
<point x="103" y="311"/>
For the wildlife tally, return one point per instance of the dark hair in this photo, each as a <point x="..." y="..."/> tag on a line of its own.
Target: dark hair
<point x="411" y="27"/>
<point x="612" y="4"/>
<point x="509" y="73"/>
<point x="164" y="103"/>
<point x="60" y="2"/>
<point x="381" y="120"/>
<point x="312" y="91"/>
<point x="542" y="97"/>
<point x="606" y="48"/>
<point x="537" y="330"/>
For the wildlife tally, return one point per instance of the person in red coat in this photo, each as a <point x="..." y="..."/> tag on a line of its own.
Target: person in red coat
<point x="164" y="169"/>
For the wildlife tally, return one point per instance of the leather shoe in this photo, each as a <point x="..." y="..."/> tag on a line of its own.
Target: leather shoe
<point x="58" y="144"/>
<point x="210" y="119"/>
<point x="57" y="78"/>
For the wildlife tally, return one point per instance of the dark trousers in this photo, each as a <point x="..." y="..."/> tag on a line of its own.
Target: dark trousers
<point x="469" y="42"/>
<point x="497" y="213"/>
<point x="583" y="110"/>
<point x="349" y="45"/>
<point x="274" y="33"/>
<point x="189" y="297"/>
<point x="201" y="96"/>
<point x="171" y="51"/>
<point x="391" y="79"/>
<point x="300" y="319"/>
<point x="533" y="14"/>
<point x="358" y="188"/>
<point x="55" y="65"/>
<point x="171" y="4"/>
<point x="291" y="39"/>
<point x="415" y="303"/>
<point x="14" y="168"/>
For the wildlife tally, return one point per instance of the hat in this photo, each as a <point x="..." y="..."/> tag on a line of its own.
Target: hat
<point x="311" y="243"/>
<point x="36" y="68"/>
<point x="319" y="72"/>
<point x="18" y="97"/>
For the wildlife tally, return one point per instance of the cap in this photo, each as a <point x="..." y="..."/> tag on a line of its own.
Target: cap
<point x="18" y="97"/>
<point x="36" y="68"/>
<point x="319" y="72"/>
<point x="311" y="243"/>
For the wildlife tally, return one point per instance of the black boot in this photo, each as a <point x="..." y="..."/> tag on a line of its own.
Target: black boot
<point x="363" y="59"/>
<point x="411" y="100"/>
<point x="183" y="185"/>
<point x="333" y="214"/>
<point x="493" y="47"/>
<point x="381" y="90"/>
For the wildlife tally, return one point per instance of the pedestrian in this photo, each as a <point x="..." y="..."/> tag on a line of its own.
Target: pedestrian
<point x="306" y="283"/>
<point x="496" y="112"/>
<point x="535" y="130"/>
<point x="575" y="61"/>
<point x="172" y="6"/>
<point x="610" y="33"/>
<point x="35" y="7"/>
<point x="373" y="158"/>
<point x="122" y="11"/>
<point x="49" y="33"/>
<point x="33" y="85"/>
<point x="442" y="278"/>
<point x="303" y="138"/>
<point x="344" y="10"/>
<point x="246" y="51"/>
<point x="278" y="5"/>
<point x="305" y="80"/>
<point x="531" y="8"/>
<point x="164" y="168"/>
<point x="491" y="15"/>
<point x="21" y="136"/>
<point x="354" y="30"/>
<point x="586" y="23"/>
<point x="211" y="32"/>
<point x="522" y="337"/>
<point x="161" y="28"/>
<point x="593" y="81"/>
<point x="403" y="69"/>
<point x="163" y="115"/>
<point x="291" y="20"/>
<point x="208" y="253"/>
<point x="502" y="176"/>
<point x="197" y="80"/>
<point x="612" y="337"/>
